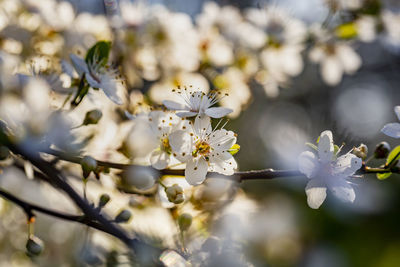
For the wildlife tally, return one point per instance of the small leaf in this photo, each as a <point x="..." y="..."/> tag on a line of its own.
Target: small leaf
<point x="394" y="155"/>
<point x="99" y="52"/>
<point x="383" y="176"/>
<point x="234" y="149"/>
<point x="346" y="31"/>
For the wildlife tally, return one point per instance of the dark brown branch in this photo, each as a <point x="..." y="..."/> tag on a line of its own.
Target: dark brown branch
<point x="140" y="248"/>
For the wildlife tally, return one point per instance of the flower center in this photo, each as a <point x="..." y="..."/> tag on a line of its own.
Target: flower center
<point x="202" y="148"/>
<point x="165" y="146"/>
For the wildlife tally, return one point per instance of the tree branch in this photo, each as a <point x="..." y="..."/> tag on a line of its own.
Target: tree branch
<point x="264" y="174"/>
<point x="140" y="248"/>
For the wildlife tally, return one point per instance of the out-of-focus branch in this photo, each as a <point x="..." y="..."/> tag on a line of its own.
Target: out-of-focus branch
<point x="140" y="248"/>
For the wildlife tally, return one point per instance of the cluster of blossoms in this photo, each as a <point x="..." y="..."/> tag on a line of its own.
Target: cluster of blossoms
<point x="188" y="137"/>
<point x="162" y="49"/>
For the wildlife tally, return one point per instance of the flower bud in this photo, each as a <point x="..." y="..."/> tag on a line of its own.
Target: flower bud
<point x="34" y="246"/>
<point x="174" y="194"/>
<point x="361" y="151"/>
<point x="92" y="117"/>
<point x="184" y="221"/>
<point x="123" y="216"/>
<point x="382" y="150"/>
<point x="88" y="164"/>
<point x="4" y="152"/>
<point x="140" y="177"/>
<point x="104" y="199"/>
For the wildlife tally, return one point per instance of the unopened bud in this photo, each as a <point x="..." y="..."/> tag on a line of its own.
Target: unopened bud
<point x="174" y="194"/>
<point x="34" y="246"/>
<point x="184" y="221"/>
<point x="88" y="164"/>
<point x="92" y="117"/>
<point x="104" y="199"/>
<point x="4" y="152"/>
<point x="140" y="177"/>
<point x="361" y="151"/>
<point x="123" y="216"/>
<point x="382" y="150"/>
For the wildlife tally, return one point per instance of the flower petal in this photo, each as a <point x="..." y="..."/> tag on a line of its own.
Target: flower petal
<point x="181" y="144"/>
<point x="202" y="125"/>
<point x="397" y="111"/>
<point x="196" y="171"/>
<point x="316" y="193"/>
<point x="218" y="112"/>
<point x="223" y="163"/>
<point x="222" y="140"/>
<point x="392" y="130"/>
<point x="159" y="159"/>
<point x="186" y="114"/>
<point x="347" y="165"/>
<point x="109" y="88"/>
<point x="174" y="105"/>
<point x="79" y="64"/>
<point x="342" y="189"/>
<point x="331" y="70"/>
<point x="325" y="146"/>
<point x="308" y="164"/>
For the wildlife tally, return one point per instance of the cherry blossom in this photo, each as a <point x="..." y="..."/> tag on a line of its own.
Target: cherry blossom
<point x="326" y="171"/>
<point x="393" y="129"/>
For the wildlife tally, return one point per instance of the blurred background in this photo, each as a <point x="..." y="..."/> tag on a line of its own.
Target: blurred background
<point x="269" y="221"/>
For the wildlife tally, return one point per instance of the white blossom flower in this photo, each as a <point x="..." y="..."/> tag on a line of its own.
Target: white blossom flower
<point x="162" y="124"/>
<point x="197" y="103"/>
<point x="98" y="76"/>
<point x="393" y="129"/>
<point x="203" y="150"/>
<point x="335" y="59"/>
<point x="325" y="171"/>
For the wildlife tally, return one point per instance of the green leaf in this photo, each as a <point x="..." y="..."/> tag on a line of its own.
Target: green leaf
<point x="83" y="89"/>
<point x="383" y="176"/>
<point x="99" y="52"/>
<point x="394" y="155"/>
<point x="234" y="149"/>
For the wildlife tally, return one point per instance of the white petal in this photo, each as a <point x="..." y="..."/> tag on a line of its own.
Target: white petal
<point x="342" y="189"/>
<point x="347" y="165"/>
<point x="218" y="112"/>
<point x="174" y="105"/>
<point x="351" y="61"/>
<point x="308" y="164"/>
<point x="181" y="144"/>
<point x="392" y="130"/>
<point x="159" y="159"/>
<point x="202" y="125"/>
<point x="110" y="90"/>
<point x="196" y="171"/>
<point x="186" y="114"/>
<point x="68" y="69"/>
<point x="316" y="193"/>
<point x="223" y="163"/>
<point x="331" y="71"/>
<point x="325" y="146"/>
<point x="397" y="111"/>
<point x="222" y="140"/>
<point x="79" y="64"/>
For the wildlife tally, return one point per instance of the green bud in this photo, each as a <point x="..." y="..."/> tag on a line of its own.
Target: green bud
<point x="382" y="150"/>
<point x="175" y="194"/>
<point x="4" y="152"/>
<point x="361" y="151"/>
<point x="92" y="117"/>
<point x="104" y="199"/>
<point x="34" y="246"/>
<point x="184" y="221"/>
<point x="123" y="216"/>
<point x="88" y="164"/>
